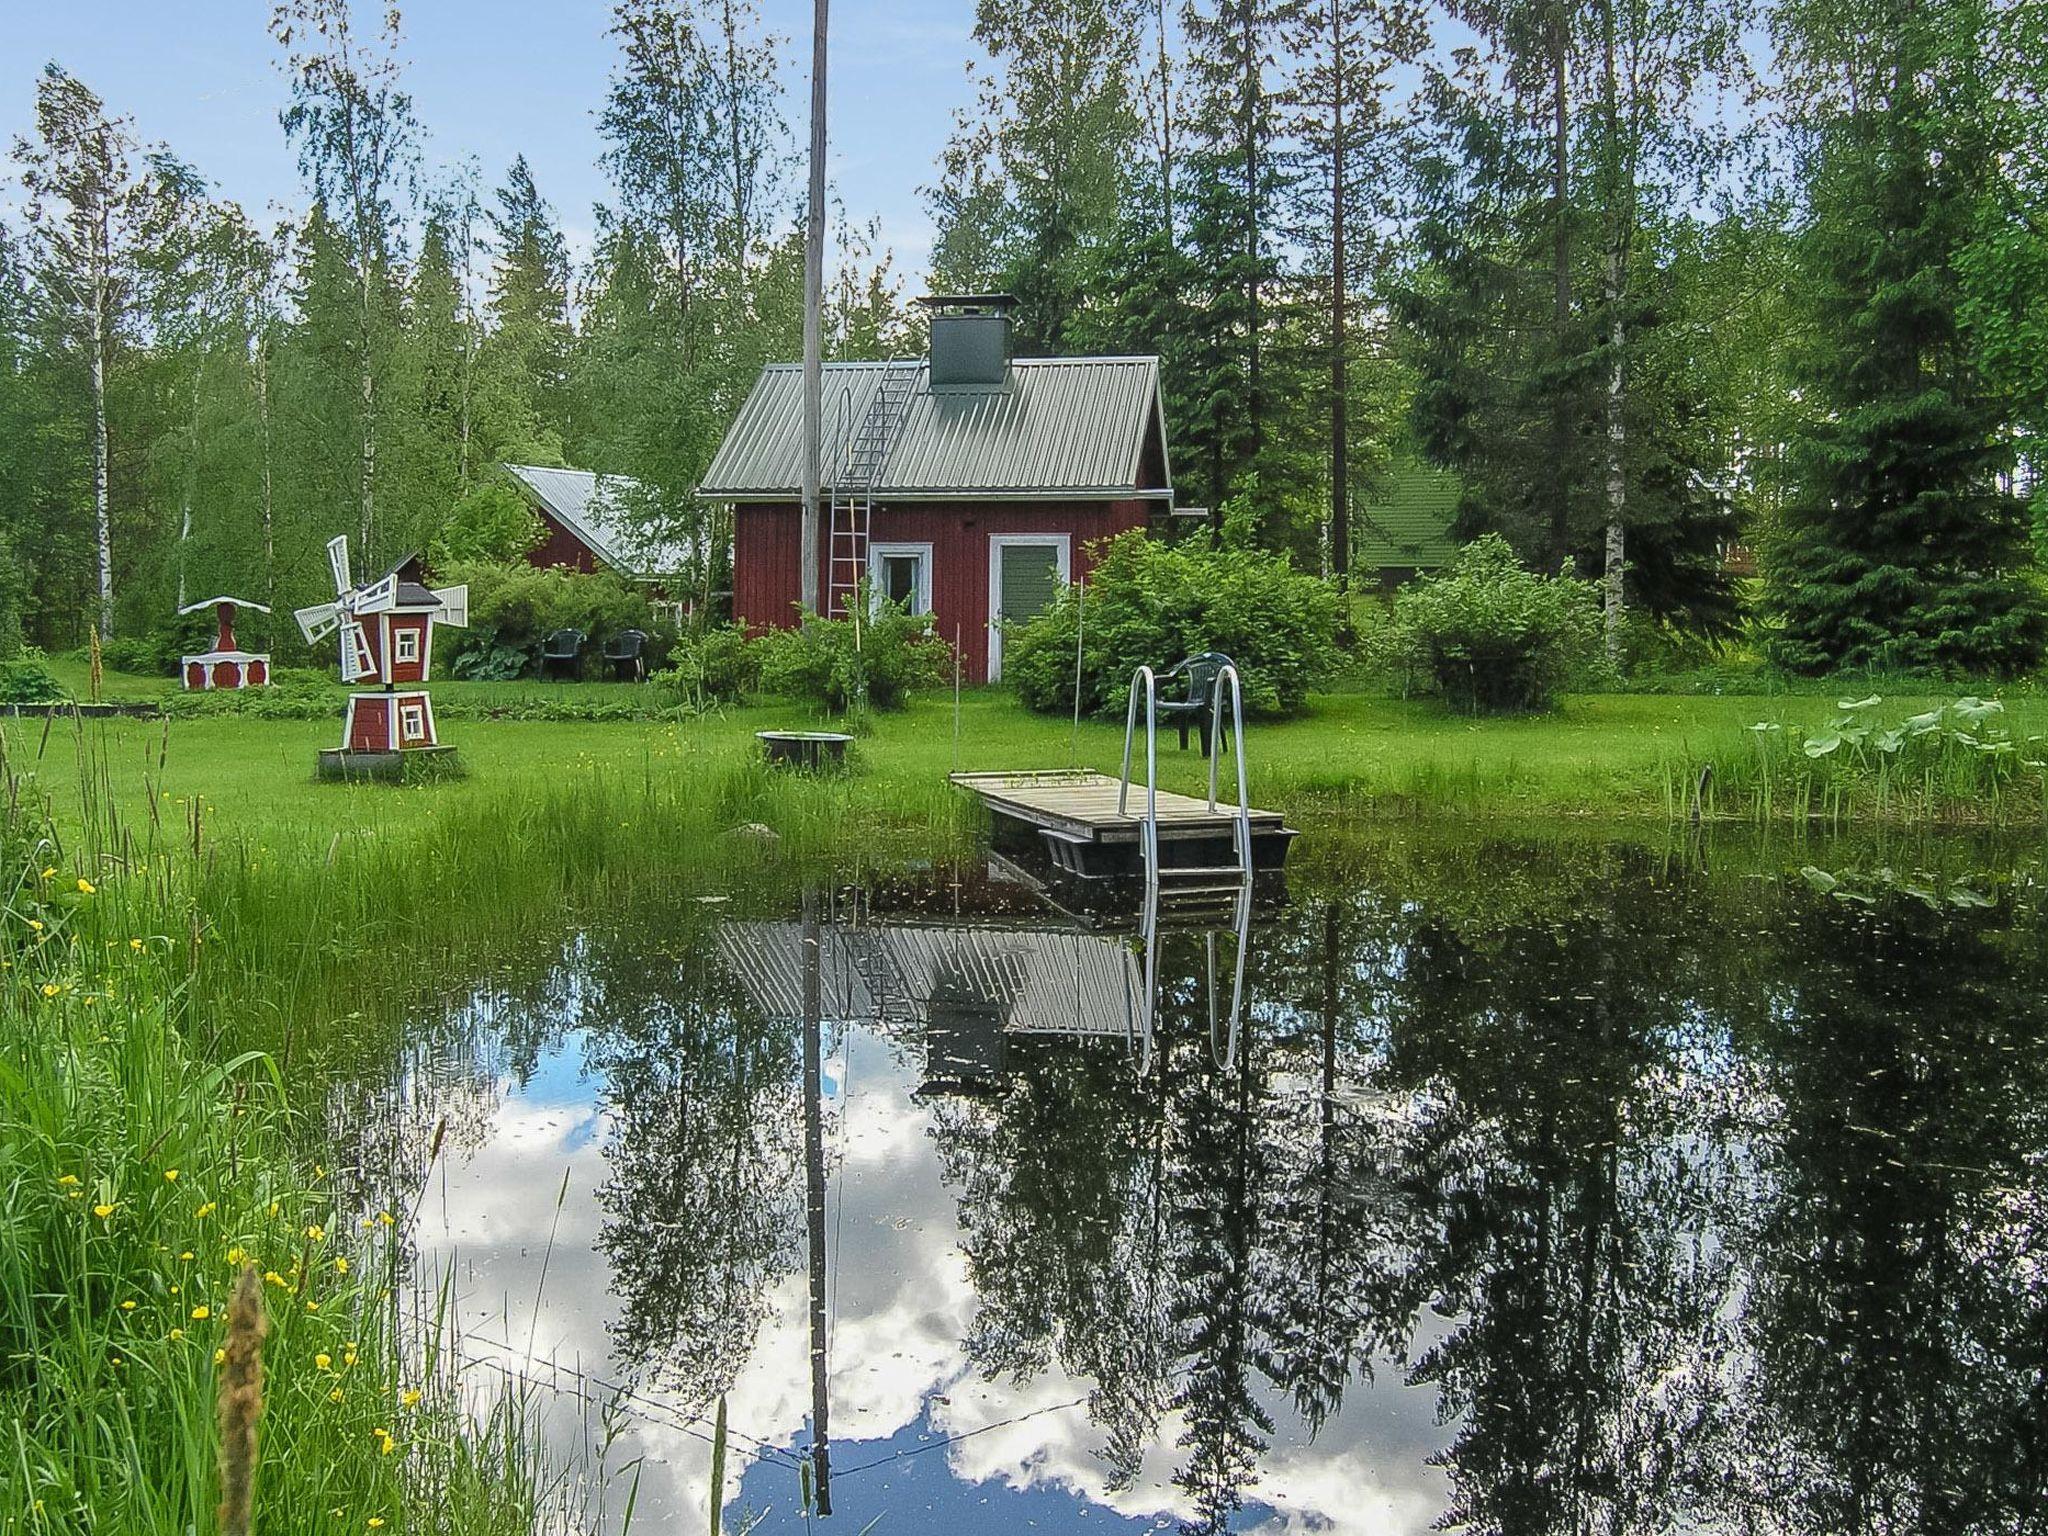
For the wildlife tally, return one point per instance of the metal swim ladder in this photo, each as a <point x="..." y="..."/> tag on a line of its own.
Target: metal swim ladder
<point x="1207" y="876"/>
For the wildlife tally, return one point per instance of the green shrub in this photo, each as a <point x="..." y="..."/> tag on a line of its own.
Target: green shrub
<point x="492" y="524"/>
<point x="25" y="680"/>
<point x="1153" y="604"/>
<point x="840" y="665"/>
<point x="1491" y="636"/>
<point x="512" y="608"/>
<point x="714" y="665"/>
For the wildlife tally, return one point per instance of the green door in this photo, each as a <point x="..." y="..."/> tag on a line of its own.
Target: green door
<point x="1024" y="573"/>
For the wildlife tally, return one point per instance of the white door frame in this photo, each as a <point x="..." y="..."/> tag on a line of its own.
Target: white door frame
<point x="922" y="602"/>
<point x="997" y="543"/>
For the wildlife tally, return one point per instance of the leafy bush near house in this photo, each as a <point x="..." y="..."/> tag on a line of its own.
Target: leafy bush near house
<point x="1491" y="636"/>
<point x="836" y="664"/>
<point x="714" y="665"/>
<point x="512" y="608"/>
<point x="25" y="680"/>
<point x="1153" y="604"/>
<point x="492" y="524"/>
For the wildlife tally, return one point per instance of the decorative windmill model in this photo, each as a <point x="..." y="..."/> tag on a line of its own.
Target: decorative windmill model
<point x="387" y="636"/>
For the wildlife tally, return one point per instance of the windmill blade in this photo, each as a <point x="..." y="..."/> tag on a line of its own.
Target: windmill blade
<point x="317" y="622"/>
<point x="454" y="607"/>
<point x="377" y="597"/>
<point x="357" y="659"/>
<point x="337" y="560"/>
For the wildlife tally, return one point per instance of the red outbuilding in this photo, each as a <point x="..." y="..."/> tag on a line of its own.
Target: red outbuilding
<point x="968" y="484"/>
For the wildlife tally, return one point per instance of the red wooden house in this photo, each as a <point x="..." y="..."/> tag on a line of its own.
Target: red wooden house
<point x="967" y="484"/>
<point x="588" y="524"/>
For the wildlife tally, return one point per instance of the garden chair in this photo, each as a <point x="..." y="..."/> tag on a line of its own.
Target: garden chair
<point x="627" y="653"/>
<point x="1197" y="709"/>
<point x="561" y="655"/>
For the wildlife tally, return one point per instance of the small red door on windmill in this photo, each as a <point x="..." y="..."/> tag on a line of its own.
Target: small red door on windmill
<point x="386" y="630"/>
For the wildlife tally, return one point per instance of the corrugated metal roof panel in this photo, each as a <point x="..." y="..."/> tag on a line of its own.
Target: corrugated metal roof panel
<point x="588" y="505"/>
<point x="1062" y="426"/>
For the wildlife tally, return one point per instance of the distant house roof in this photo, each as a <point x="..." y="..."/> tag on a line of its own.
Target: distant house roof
<point x="1078" y="427"/>
<point x="1408" y="521"/>
<point x="589" y="506"/>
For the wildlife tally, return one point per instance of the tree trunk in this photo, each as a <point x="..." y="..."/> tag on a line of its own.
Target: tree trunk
<point x="366" y="515"/>
<point x="1560" y="192"/>
<point x="101" y="498"/>
<point x="1340" y="390"/>
<point x="1254" y="401"/>
<point x="1614" y="571"/>
<point x="263" y="480"/>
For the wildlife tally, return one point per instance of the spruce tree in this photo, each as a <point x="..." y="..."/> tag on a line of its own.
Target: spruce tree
<point x="1900" y="548"/>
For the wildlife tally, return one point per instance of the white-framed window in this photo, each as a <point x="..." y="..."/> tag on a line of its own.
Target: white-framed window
<point x="1024" y="571"/>
<point x="406" y="644"/>
<point x="412" y="722"/>
<point x="902" y="573"/>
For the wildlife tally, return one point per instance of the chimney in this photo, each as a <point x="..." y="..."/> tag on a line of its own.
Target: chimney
<point x="970" y="340"/>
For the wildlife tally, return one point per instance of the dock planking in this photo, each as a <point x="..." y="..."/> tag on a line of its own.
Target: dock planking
<point x="1075" y="810"/>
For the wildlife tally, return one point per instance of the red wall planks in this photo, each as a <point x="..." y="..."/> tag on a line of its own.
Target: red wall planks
<point x="560" y="547"/>
<point x="766" y="559"/>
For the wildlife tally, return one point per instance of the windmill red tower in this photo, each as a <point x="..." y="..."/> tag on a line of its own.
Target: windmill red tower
<point x="226" y="665"/>
<point x="387" y="637"/>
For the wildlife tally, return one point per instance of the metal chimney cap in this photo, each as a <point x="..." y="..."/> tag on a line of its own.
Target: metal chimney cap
<point x="968" y="301"/>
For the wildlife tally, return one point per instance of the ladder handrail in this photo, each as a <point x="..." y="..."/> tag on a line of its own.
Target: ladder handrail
<point x="1242" y="829"/>
<point x="1151" y="835"/>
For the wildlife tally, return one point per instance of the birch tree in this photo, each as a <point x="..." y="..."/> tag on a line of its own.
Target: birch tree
<point x="89" y="211"/>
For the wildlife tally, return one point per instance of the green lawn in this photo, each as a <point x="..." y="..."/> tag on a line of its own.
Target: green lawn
<point x="1607" y="755"/>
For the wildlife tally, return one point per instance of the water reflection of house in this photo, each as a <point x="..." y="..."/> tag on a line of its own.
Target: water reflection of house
<point x="970" y="991"/>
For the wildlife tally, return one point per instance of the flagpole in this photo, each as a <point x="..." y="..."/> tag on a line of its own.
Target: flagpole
<point x="814" y="298"/>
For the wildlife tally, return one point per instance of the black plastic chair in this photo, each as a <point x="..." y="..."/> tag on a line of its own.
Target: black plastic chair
<point x="561" y="655"/>
<point x="627" y="653"/>
<point x="1198" y="708"/>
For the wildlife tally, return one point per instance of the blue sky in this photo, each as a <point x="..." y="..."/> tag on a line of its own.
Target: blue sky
<point x="491" y="78"/>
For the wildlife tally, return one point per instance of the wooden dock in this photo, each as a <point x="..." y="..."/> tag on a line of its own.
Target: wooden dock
<point x="1073" y="813"/>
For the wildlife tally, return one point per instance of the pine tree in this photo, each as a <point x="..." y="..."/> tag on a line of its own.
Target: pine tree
<point x="526" y="355"/>
<point x="1899" y="547"/>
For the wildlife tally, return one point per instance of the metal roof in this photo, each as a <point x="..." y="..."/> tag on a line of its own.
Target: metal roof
<point x="1034" y="981"/>
<point x="589" y="506"/>
<point x="1061" y="426"/>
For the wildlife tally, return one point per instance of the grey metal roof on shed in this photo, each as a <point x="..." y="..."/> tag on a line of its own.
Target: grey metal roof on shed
<point x="1061" y="426"/>
<point x="588" y="505"/>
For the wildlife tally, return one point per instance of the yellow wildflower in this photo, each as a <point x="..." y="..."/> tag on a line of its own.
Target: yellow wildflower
<point x="312" y="1306"/>
<point x="385" y="1218"/>
<point x="186" y="1256"/>
<point x="272" y="1277"/>
<point x="51" y="989"/>
<point x="177" y="1334"/>
<point x="220" y="1357"/>
<point x="341" y="1266"/>
<point x="36" y="924"/>
<point x="135" y="943"/>
<point x="103" y="1211"/>
<point x="410" y="1397"/>
<point x="65" y="1181"/>
<point x="207" y="1209"/>
<point x="335" y="1395"/>
<point x="348" y="1357"/>
<point x="127" y="1306"/>
<point x="316" y="1234"/>
<point x="201" y="1314"/>
<point x="375" y="1521"/>
<point x="323" y="1360"/>
<point x="51" y="870"/>
<point x="85" y="886"/>
<point x="170" y="1175"/>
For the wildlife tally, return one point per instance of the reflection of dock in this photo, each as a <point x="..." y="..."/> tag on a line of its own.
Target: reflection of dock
<point x="1094" y="827"/>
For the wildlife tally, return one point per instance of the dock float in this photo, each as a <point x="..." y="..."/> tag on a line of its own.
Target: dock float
<point x="1072" y="813"/>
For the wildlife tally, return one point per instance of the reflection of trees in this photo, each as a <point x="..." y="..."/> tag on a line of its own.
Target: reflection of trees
<point x="705" y="1195"/>
<point x="1566" y="1172"/>
<point x="1897" y="1324"/>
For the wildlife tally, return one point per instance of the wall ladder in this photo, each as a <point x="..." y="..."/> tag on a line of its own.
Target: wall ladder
<point x="861" y="462"/>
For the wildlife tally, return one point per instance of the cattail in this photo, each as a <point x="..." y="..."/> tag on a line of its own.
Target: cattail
<point x="241" y="1401"/>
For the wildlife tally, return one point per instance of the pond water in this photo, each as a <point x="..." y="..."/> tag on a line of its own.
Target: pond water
<point x="1536" y="1186"/>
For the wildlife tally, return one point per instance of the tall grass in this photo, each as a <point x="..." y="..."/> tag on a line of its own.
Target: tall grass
<point x="1958" y="763"/>
<point x="140" y="1175"/>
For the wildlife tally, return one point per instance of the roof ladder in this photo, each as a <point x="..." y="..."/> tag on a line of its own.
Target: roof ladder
<point x="865" y="455"/>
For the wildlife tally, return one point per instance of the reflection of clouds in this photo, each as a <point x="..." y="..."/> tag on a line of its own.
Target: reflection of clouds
<point x="901" y="1303"/>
